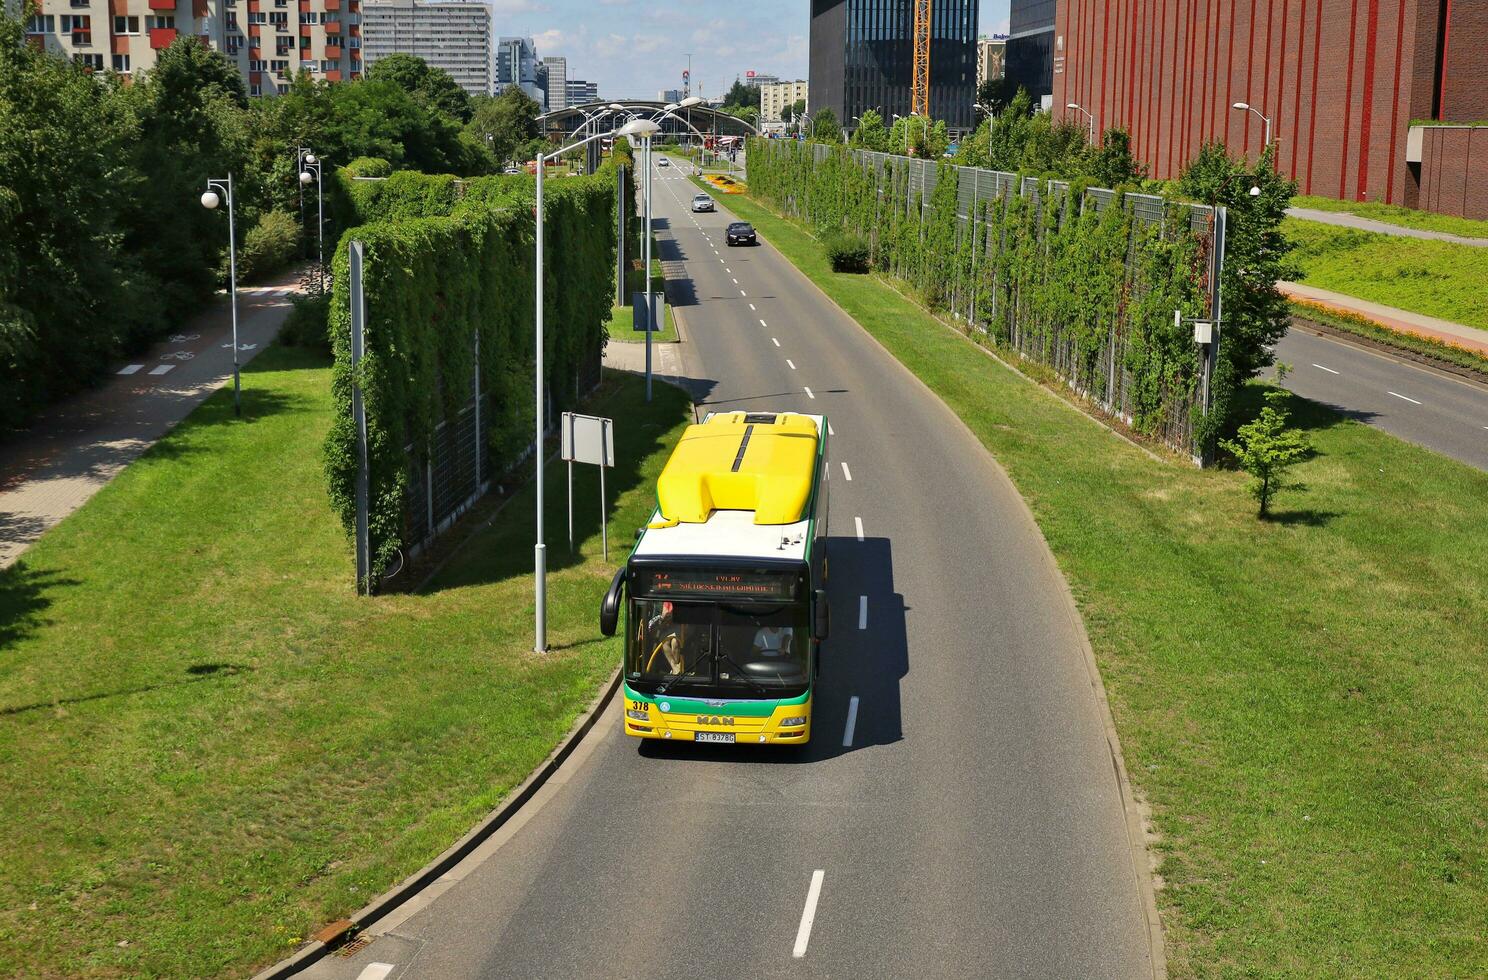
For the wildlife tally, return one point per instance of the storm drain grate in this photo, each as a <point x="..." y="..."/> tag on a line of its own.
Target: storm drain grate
<point x="355" y="946"/>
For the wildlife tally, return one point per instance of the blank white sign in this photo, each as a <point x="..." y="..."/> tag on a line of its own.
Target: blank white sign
<point x="588" y="439"/>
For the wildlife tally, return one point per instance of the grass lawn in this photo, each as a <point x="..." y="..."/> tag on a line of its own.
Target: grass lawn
<point x="1438" y="279"/>
<point x="1396" y="215"/>
<point x="622" y="327"/>
<point x="1303" y="702"/>
<point x="210" y="746"/>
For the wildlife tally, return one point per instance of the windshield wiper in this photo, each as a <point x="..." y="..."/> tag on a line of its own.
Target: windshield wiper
<point x="744" y="676"/>
<point x="663" y="688"/>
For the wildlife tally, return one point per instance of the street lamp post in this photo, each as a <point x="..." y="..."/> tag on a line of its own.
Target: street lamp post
<point x="1247" y="107"/>
<point x="1079" y="108"/>
<point x="210" y="200"/>
<point x="310" y="163"/>
<point x="540" y="551"/>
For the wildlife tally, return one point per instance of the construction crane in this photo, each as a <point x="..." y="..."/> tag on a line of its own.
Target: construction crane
<point x="919" y="87"/>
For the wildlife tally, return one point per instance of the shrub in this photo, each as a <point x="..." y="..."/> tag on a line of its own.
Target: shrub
<point x="368" y="167"/>
<point x="847" y="252"/>
<point x="269" y="246"/>
<point x="308" y="324"/>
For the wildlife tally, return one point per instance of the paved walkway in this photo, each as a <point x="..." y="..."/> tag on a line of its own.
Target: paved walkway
<point x="1390" y="317"/>
<point x="1347" y="220"/>
<point x="77" y="446"/>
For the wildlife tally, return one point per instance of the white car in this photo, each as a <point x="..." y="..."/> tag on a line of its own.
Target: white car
<point x="663" y="162"/>
<point x="702" y="202"/>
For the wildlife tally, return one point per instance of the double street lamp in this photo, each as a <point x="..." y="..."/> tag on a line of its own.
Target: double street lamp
<point x="210" y="200"/>
<point x="309" y="163"/>
<point x="540" y="557"/>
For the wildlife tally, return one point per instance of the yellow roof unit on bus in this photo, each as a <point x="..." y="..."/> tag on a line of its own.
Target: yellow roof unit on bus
<point x="741" y="461"/>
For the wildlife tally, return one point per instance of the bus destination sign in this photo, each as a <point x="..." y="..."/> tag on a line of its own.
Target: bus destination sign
<point x="716" y="583"/>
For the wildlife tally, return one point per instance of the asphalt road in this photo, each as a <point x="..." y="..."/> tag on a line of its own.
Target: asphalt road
<point x="971" y="827"/>
<point x="1415" y="403"/>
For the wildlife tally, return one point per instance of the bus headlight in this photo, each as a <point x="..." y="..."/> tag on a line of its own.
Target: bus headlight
<point x="637" y="715"/>
<point x="793" y="722"/>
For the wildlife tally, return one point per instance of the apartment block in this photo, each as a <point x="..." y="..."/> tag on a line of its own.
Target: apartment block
<point x="775" y="97"/>
<point x="454" y="35"/>
<point x="557" y="86"/>
<point x="269" y="40"/>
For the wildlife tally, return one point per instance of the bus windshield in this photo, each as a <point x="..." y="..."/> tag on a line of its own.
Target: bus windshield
<point x="702" y="649"/>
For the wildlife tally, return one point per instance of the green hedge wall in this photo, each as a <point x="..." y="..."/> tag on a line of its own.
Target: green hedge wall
<point x="1046" y="272"/>
<point x="443" y="262"/>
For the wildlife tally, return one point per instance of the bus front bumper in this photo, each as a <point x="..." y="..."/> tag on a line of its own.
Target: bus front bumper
<point x="787" y="724"/>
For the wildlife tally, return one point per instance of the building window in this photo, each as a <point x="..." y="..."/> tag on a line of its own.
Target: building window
<point x="121" y="64"/>
<point x="280" y="20"/>
<point x="161" y="22"/>
<point x="234" y="43"/>
<point x="258" y="64"/>
<point x="279" y="64"/>
<point x="92" y="62"/>
<point x="41" y="24"/>
<point x="232" y="20"/>
<point x="255" y="89"/>
<point x="329" y="65"/>
<point x="126" y="25"/>
<point x="356" y="42"/>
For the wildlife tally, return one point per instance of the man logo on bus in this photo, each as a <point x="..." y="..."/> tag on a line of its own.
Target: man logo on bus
<point x="714" y="720"/>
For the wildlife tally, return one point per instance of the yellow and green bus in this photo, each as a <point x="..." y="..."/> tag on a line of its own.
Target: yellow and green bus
<point x="723" y="597"/>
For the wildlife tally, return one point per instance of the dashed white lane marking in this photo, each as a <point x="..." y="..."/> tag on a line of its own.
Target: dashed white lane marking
<point x="131" y="368"/>
<point x="764" y="324"/>
<point x="162" y="369"/>
<point x="1402" y="397"/>
<point x="809" y="394"/>
<point x="862" y="612"/>
<point x="728" y="270"/>
<point x="830" y="431"/>
<point x="791" y="363"/>
<point x="852" y="722"/>
<point x="808" y="914"/>
<point x="1328" y="369"/>
<point x="847" y="473"/>
<point x="858" y="523"/>
<point x="375" y="971"/>
<point x="751" y="306"/>
<point x="743" y="293"/>
<point x="736" y="282"/>
<point x="775" y="342"/>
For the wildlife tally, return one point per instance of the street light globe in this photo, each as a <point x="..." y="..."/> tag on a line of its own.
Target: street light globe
<point x="305" y="177"/>
<point x="309" y="157"/>
<point x="210" y="200"/>
<point x="1255" y="190"/>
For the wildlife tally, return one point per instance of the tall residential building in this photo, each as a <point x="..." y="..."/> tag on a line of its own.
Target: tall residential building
<point x="670" y="95"/>
<point x="774" y="98"/>
<point x="451" y="34"/>
<point x="1365" y="101"/>
<point x="757" y="79"/>
<point x="257" y="35"/>
<point x="862" y="57"/>
<point x="516" y="65"/>
<point x="990" y="54"/>
<point x="557" y="87"/>
<point x="1031" y="45"/>
<point x="580" y="92"/>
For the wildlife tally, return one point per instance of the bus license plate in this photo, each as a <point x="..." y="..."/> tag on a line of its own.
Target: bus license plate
<point x="727" y="737"/>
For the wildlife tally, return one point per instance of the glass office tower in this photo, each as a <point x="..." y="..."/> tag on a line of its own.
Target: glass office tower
<point x="1030" y="46"/>
<point x="862" y="57"/>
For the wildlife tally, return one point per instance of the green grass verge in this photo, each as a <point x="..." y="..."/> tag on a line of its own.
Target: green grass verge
<point x="1303" y="702"/>
<point x="1426" y="347"/>
<point x="621" y="327"/>
<point x="1439" y="279"/>
<point x="1396" y="215"/>
<point x="209" y="746"/>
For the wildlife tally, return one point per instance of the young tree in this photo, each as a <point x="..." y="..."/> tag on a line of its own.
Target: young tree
<point x="1113" y="164"/>
<point x="824" y="126"/>
<point x="993" y="94"/>
<point x="1266" y="448"/>
<point x="741" y="96"/>
<point x="506" y="124"/>
<point x="871" y="134"/>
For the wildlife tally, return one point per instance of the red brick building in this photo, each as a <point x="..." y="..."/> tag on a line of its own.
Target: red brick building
<point x="1340" y="80"/>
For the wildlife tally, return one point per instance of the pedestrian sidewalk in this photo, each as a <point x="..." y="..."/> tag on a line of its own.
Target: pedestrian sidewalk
<point x="1391" y="318"/>
<point x="1347" y="219"/>
<point x="75" y="447"/>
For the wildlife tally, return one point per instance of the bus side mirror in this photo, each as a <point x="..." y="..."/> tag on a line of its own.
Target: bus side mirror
<point x="609" y="609"/>
<point x="823" y="615"/>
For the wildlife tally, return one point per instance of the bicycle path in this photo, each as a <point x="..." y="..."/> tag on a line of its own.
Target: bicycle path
<point x="1346" y="219"/>
<point x="75" y="447"/>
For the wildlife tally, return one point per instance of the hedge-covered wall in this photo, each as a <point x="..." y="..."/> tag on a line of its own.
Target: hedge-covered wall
<point x="1046" y="272"/>
<point x="445" y="261"/>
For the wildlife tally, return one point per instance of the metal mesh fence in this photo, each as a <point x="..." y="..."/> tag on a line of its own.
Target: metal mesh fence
<point x="972" y="294"/>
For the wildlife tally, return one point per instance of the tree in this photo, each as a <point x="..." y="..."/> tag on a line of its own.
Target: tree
<point x="433" y="87"/>
<point x="993" y="95"/>
<point x="1266" y="448"/>
<point x="871" y="134"/>
<point x="742" y="96"/>
<point x="1113" y="164"/>
<point x="506" y="124"/>
<point x="379" y="119"/>
<point x="824" y="126"/>
<point x="1256" y="315"/>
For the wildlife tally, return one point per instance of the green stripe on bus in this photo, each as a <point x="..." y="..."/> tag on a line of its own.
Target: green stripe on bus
<point x="693" y="706"/>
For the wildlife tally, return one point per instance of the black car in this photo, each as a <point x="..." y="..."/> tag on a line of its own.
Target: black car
<point x="741" y="233"/>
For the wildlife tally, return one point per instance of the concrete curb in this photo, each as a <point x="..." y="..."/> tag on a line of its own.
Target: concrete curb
<point x="441" y="865"/>
<point x="1133" y="811"/>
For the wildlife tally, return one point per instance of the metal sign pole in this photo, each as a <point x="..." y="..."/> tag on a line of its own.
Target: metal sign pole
<point x="570" y="506"/>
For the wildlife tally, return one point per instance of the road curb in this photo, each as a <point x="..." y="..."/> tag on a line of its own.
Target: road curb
<point x="1133" y="811"/>
<point x="457" y="852"/>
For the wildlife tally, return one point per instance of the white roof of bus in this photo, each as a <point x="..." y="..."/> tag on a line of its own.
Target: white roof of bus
<point x="729" y="534"/>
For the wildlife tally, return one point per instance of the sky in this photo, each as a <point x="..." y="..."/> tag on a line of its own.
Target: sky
<point x="635" y="48"/>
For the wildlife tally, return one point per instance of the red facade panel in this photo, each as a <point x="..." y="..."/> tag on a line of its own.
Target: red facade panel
<point x="161" y="37"/>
